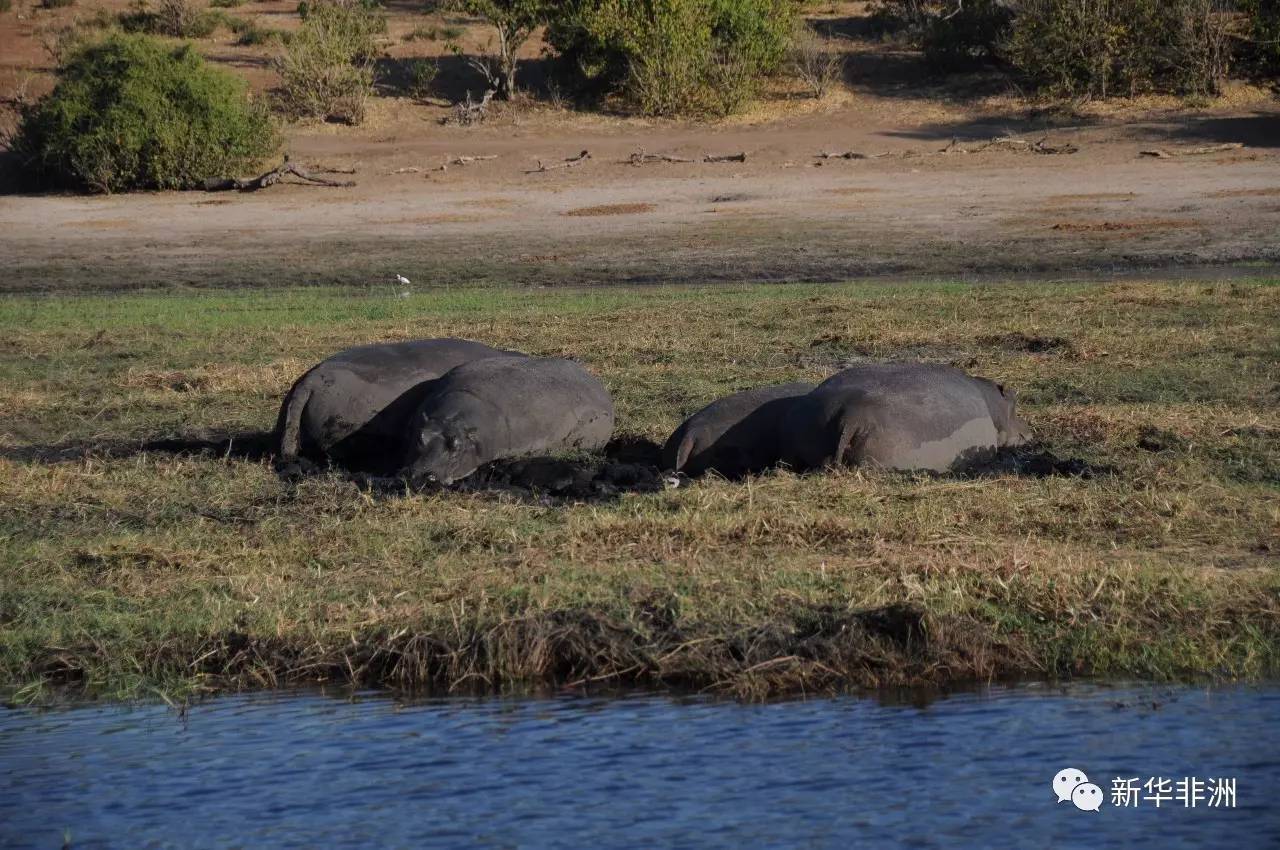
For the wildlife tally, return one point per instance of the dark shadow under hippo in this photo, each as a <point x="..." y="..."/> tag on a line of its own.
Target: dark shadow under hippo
<point x="908" y="416"/>
<point x="501" y="408"/>
<point x="354" y="408"/>
<point x="735" y="436"/>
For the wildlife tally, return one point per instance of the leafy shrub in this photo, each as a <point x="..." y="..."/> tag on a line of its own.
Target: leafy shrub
<point x="57" y="4"/>
<point x="5" y="5"/>
<point x="1260" y="46"/>
<point x="514" y="21"/>
<point x="1096" y="48"/>
<point x="674" y="56"/>
<point x="133" y="113"/>
<point x="251" y="33"/>
<point x="227" y="4"/>
<point x="969" y="35"/>
<point x="327" y="71"/>
<point x="421" y="74"/>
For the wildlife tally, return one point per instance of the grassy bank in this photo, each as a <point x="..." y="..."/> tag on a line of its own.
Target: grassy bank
<point x="127" y="565"/>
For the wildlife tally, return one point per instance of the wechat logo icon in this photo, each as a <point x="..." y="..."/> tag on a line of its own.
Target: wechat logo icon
<point x="1073" y="786"/>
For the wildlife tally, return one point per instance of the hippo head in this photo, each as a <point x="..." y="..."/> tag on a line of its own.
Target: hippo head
<point x="440" y="453"/>
<point x="1010" y="429"/>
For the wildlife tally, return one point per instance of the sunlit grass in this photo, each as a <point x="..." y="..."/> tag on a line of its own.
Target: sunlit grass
<point x="123" y="571"/>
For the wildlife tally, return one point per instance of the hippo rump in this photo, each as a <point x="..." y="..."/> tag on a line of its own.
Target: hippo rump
<point x="735" y="436"/>
<point x="354" y="407"/>
<point x="502" y="408"/>
<point x="901" y="416"/>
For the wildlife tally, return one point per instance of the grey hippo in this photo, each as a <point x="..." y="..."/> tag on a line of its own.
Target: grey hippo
<point x="734" y="436"/>
<point x="901" y="416"/>
<point x="354" y="408"/>
<point x="501" y="408"/>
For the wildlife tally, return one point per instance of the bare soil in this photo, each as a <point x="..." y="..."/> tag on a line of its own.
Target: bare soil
<point x="784" y="214"/>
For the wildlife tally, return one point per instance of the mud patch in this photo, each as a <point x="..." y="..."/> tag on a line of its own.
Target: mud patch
<point x="853" y="190"/>
<point x="1019" y="341"/>
<point x="107" y="223"/>
<point x="1035" y="461"/>
<point x="1090" y="196"/>
<point x="1261" y="192"/>
<point x="731" y="199"/>
<point x="611" y="209"/>
<point x="487" y="203"/>
<point x="1136" y="226"/>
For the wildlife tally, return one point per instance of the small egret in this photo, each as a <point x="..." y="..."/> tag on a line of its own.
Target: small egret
<point x="402" y="280"/>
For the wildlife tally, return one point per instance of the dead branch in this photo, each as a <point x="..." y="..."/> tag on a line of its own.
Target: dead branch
<point x="845" y="155"/>
<point x="568" y="163"/>
<point x="274" y="176"/>
<point x="411" y="169"/>
<point x="731" y="157"/>
<point x="468" y="112"/>
<point x="640" y="158"/>
<point x="1011" y="144"/>
<point x="1160" y="153"/>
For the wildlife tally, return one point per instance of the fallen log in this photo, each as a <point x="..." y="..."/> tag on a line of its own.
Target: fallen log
<point x="568" y="163"/>
<point x="1161" y="153"/>
<point x="730" y="157"/>
<point x="274" y="176"/>
<point x="845" y="155"/>
<point x="1009" y="143"/>
<point x="641" y="158"/>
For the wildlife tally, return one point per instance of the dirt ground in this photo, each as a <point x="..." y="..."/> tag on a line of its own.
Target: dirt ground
<point x="783" y="214"/>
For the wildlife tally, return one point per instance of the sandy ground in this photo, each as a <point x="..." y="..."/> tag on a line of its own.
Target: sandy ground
<point x="783" y="214"/>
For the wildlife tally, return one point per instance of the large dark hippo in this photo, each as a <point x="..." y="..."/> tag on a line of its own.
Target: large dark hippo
<point x="501" y="408"/>
<point x="734" y="436"/>
<point x="354" y="407"/>
<point x="901" y="416"/>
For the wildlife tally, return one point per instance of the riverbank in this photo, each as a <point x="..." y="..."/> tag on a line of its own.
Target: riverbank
<point x="146" y="544"/>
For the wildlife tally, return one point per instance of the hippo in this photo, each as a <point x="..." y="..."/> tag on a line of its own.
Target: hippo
<point x="354" y="407"/>
<point x="910" y="416"/>
<point x="501" y="408"/>
<point x="734" y="436"/>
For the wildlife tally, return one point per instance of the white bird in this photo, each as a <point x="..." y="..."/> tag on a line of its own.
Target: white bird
<point x="402" y="280"/>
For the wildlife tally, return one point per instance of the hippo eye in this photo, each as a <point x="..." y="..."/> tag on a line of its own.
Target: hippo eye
<point x="451" y="443"/>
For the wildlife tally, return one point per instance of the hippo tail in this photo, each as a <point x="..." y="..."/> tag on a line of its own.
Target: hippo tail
<point x="675" y="454"/>
<point x="289" y="423"/>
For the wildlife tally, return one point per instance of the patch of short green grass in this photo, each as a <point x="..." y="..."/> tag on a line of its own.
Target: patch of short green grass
<point x="124" y="571"/>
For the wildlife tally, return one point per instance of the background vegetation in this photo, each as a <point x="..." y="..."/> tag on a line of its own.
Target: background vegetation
<point x="130" y="112"/>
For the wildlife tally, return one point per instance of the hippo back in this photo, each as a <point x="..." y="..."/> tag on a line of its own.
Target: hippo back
<point x="735" y="435"/>
<point x="360" y="398"/>
<point x="894" y="415"/>
<point x="529" y="404"/>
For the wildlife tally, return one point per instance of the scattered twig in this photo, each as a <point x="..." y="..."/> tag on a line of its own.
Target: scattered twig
<point x="845" y="155"/>
<point x="464" y="160"/>
<point x="411" y="169"/>
<point x="1160" y="153"/>
<point x="272" y="177"/>
<point x="568" y="163"/>
<point x="731" y="157"/>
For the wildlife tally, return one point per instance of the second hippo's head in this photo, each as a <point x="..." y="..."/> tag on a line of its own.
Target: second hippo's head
<point x="1010" y="429"/>
<point x="440" y="453"/>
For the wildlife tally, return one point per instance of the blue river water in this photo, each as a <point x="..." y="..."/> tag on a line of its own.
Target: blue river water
<point x="971" y="770"/>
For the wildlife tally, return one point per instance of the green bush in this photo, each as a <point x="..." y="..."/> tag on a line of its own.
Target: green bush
<point x="5" y="5"/>
<point x="227" y="4"/>
<point x="1260" y="47"/>
<point x="1096" y="48"/>
<point x="57" y="4"/>
<point x="674" y="56"/>
<point x="327" y="71"/>
<point x="969" y="35"/>
<point x="133" y="113"/>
